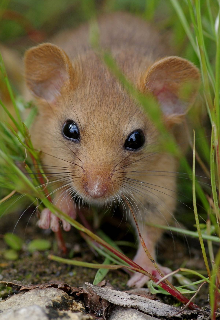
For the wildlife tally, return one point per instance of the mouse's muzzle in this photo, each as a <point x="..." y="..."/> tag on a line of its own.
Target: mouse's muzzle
<point x="97" y="184"/>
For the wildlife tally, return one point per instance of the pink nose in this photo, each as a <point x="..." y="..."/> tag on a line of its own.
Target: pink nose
<point x="95" y="186"/>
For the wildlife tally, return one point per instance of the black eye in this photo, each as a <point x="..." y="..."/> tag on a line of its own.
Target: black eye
<point x="71" y="131"/>
<point x="135" y="140"/>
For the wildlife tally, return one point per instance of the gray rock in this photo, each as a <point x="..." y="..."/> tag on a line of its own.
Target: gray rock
<point x="43" y="298"/>
<point x="32" y="312"/>
<point x="42" y="304"/>
<point x="129" y="314"/>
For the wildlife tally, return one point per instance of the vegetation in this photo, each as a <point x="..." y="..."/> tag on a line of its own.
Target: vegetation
<point x="194" y="30"/>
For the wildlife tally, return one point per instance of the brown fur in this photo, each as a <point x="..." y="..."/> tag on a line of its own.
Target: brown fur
<point x="74" y="84"/>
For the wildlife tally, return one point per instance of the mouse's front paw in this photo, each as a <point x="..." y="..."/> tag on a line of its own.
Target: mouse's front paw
<point x="138" y="280"/>
<point x="49" y="220"/>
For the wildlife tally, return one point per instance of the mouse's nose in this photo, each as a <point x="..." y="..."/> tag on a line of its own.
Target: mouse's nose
<point x="96" y="184"/>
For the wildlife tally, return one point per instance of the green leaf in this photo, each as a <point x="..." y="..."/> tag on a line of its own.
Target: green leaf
<point x="39" y="245"/>
<point x="10" y="254"/>
<point x="101" y="273"/>
<point x="13" y="241"/>
<point x="153" y="288"/>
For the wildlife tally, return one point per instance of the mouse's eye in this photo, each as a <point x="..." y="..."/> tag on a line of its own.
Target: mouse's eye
<point x="71" y="131"/>
<point x="135" y="140"/>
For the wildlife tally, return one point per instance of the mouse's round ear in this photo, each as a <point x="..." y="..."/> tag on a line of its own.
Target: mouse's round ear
<point x="174" y="82"/>
<point x="47" y="70"/>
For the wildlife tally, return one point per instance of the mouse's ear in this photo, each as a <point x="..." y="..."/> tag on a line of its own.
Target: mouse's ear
<point x="47" y="70"/>
<point x="174" y="82"/>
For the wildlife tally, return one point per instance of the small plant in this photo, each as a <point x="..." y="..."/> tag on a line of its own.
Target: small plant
<point x="16" y="244"/>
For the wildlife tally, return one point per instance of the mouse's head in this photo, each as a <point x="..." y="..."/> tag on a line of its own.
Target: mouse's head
<point x="91" y="132"/>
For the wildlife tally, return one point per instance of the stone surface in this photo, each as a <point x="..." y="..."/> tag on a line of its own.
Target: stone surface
<point x="42" y="298"/>
<point x="32" y="312"/>
<point x="42" y="304"/>
<point x="129" y="314"/>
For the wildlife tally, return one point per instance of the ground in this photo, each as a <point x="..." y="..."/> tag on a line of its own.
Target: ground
<point x="36" y="268"/>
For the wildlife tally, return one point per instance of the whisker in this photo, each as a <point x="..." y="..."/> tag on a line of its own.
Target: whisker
<point x="162" y="192"/>
<point x="135" y="206"/>
<point x="146" y="184"/>
<point x="167" y="223"/>
<point x="136" y="160"/>
<point x="22" y="214"/>
<point x="158" y="201"/>
<point x="169" y="174"/>
<point x="72" y="163"/>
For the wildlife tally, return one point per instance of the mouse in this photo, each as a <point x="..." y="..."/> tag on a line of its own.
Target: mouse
<point x="98" y="145"/>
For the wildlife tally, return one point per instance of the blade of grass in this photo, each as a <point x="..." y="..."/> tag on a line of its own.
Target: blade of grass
<point x="196" y="213"/>
<point x="84" y="264"/>
<point x="213" y="291"/>
<point x="211" y="20"/>
<point x="201" y="46"/>
<point x="9" y="114"/>
<point x="102" y="235"/>
<point x="20" y="175"/>
<point x="196" y="273"/>
<point x="149" y="12"/>
<point x="103" y="252"/>
<point x="187" y="232"/>
<point x="8" y="196"/>
<point x="181" y="15"/>
<point x="199" y="190"/>
<point x="203" y="60"/>
<point x="214" y="140"/>
<point x="217" y="76"/>
<point x="210" y="248"/>
<point x="31" y="116"/>
<point x="126" y="244"/>
<point x="101" y="273"/>
<point x="3" y="71"/>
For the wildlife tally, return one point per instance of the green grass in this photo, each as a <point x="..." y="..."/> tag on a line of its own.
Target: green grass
<point x="204" y="29"/>
<point x="195" y="35"/>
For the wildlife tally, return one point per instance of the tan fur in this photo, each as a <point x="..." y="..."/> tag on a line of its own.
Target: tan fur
<point x="74" y="84"/>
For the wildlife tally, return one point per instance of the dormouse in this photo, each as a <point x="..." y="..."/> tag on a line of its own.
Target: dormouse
<point x="96" y="137"/>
